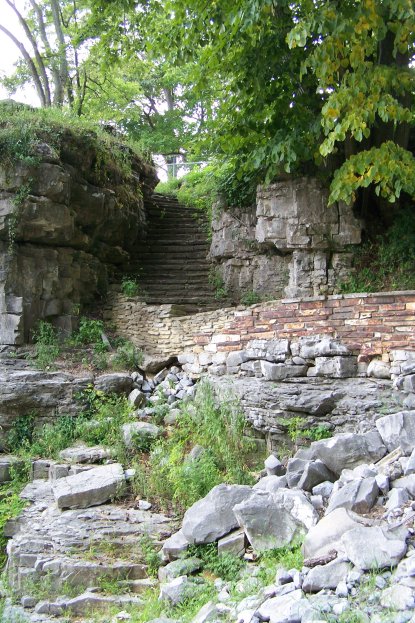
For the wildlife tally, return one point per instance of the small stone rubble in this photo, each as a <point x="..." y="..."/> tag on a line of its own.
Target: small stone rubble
<point x="51" y="394"/>
<point x="352" y="534"/>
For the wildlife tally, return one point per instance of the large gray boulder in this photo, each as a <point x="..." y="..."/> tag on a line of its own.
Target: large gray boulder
<point x="85" y="454"/>
<point x="115" y="383"/>
<point x="281" y="609"/>
<point x="266" y="522"/>
<point x="89" y="488"/>
<point x="398" y="429"/>
<point x="212" y="517"/>
<point x="326" y="576"/>
<point x="297" y="504"/>
<point x="137" y="434"/>
<point x="348" y="450"/>
<point x="373" y="547"/>
<point x="326" y="534"/>
<point x="175" y="546"/>
<point x="358" y="496"/>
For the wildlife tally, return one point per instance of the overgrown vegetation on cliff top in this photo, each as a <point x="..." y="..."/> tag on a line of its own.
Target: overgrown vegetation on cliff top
<point x="387" y="262"/>
<point x="76" y="140"/>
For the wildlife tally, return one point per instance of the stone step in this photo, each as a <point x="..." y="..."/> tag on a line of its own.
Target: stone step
<point x="160" y="260"/>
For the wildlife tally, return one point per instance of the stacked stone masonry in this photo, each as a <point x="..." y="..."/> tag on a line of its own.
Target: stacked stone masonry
<point x="371" y="325"/>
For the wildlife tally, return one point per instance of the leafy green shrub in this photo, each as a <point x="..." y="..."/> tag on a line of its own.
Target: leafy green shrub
<point x="100" y="422"/>
<point x="127" y="357"/>
<point x="47" y="348"/>
<point x="21" y="433"/>
<point x="388" y="262"/>
<point x="11" y="504"/>
<point x="103" y="418"/>
<point x="250" y="298"/>
<point x="225" y="566"/>
<point x="216" y="425"/>
<point x="130" y="287"/>
<point x="316" y="433"/>
<point x="89" y="332"/>
<point x="216" y="281"/>
<point x="150" y="554"/>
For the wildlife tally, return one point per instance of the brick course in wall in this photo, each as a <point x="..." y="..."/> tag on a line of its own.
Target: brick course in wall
<point x="370" y="324"/>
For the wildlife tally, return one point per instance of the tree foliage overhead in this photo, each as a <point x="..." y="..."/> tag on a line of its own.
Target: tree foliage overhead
<point x="266" y="86"/>
<point x="361" y="54"/>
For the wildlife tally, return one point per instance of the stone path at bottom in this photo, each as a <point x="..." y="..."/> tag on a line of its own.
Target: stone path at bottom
<point x="59" y="561"/>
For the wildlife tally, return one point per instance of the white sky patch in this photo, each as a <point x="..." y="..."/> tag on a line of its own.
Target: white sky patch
<point x="9" y="53"/>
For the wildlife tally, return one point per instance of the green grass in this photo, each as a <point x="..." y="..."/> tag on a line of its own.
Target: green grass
<point x="289" y="557"/>
<point x="225" y="566"/>
<point x="106" y="157"/>
<point x="100" y="422"/>
<point x="10" y="503"/>
<point x="169" y="477"/>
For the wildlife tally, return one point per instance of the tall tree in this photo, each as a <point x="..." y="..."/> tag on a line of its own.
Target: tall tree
<point x="362" y="54"/>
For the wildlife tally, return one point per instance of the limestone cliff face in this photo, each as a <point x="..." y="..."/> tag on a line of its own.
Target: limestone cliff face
<point x="65" y="223"/>
<point x="291" y="243"/>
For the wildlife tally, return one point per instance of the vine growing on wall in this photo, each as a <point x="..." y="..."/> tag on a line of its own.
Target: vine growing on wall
<point x="18" y="201"/>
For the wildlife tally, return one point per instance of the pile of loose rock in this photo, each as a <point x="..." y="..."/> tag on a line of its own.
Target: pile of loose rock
<point x="350" y="498"/>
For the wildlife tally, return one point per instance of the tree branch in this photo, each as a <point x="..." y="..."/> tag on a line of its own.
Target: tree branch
<point x="42" y="71"/>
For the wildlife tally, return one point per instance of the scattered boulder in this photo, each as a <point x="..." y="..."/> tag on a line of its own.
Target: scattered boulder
<point x="273" y="466"/>
<point x="177" y="568"/>
<point x="398" y="598"/>
<point x="348" y="450"/>
<point x="326" y="534"/>
<point x="314" y="473"/>
<point x="233" y="543"/>
<point x="135" y="434"/>
<point x="137" y="398"/>
<point x="212" y="517"/>
<point x="326" y="576"/>
<point x="89" y="488"/>
<point x="85" y="454"/>
<point x="175" y="546"/>
<point x="373" y="547"/>
<point x="267" y="523"/>
<point x="358" y="496"/>
<point x="178" y="590"/>
<point x="398" y="429"/>
<point x="115" y="383"/>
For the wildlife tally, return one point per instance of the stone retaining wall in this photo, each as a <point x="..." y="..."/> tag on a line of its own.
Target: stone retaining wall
<point x="369" y="324"/>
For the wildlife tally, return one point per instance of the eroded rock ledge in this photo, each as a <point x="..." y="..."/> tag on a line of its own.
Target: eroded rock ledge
<point x="65" y="223"/>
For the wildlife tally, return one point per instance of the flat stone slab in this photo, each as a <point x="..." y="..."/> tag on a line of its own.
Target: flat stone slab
<point x="85" y="454"/>
<point x="90" y="488"/>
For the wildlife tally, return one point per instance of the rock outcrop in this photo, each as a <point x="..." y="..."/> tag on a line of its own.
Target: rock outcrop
<point x="65" y="223"/>
<point x="290" y="244"/>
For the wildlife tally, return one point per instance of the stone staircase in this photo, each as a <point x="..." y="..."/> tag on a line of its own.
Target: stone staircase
<point x="172" y="266"/>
